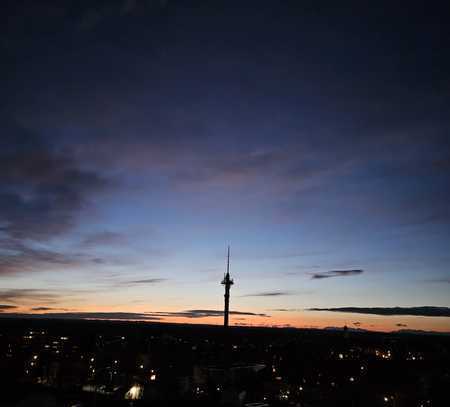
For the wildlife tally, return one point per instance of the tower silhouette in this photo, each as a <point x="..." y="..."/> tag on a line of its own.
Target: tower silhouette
<point x="227" y="282"/>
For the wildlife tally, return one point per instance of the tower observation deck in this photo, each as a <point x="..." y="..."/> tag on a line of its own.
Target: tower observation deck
<point x="227" y="282"/>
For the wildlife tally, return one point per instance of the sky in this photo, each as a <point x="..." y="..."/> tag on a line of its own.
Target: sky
<point x="140" y="138"/>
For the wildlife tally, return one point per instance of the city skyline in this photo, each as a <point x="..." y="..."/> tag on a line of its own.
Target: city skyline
<point x="140" y="138"/>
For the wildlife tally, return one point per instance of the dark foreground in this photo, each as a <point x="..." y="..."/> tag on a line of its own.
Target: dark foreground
<point x="99" y="363"/>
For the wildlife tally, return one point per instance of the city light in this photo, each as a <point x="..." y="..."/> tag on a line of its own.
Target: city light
<point x="135" y="393"/>
<point x="98" y="369"/>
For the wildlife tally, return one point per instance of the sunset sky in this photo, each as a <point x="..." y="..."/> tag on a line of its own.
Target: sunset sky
<point x="140" y="138"/>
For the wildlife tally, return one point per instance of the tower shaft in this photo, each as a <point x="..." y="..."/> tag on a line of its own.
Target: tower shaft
<point x="227" y="306"/>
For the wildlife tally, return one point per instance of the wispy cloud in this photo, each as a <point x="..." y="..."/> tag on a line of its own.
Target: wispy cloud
<point x="147" y="281"/>
<point x="36" y="296"/>
<point x="336" y="273"/>
<point x="427" y="311"/>
<point x="131" y="283"/>
<point x="203" y="313"/>
<point x="20" y="257"/>
<point x="268" y="294"/>
<point x="4" y="307"/>
<point x="85" y="315"/>
<point x="104" y="238"/>
<point x="444" y="280"/>
<point x="16" y="295"/>
<point x="48" y="309"/>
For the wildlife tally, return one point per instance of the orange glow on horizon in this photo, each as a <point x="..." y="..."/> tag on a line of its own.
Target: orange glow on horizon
<point x="304" y="319"/>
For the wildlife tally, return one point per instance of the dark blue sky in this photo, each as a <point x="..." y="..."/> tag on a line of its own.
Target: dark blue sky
<point x="139" y="138"/>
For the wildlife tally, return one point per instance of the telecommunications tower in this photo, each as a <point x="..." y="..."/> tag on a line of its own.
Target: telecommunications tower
<point x="227" y="282"/>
